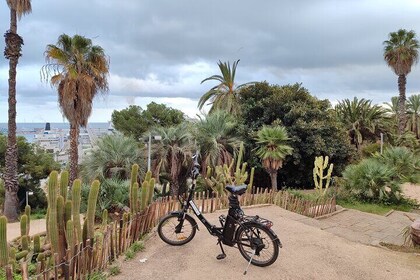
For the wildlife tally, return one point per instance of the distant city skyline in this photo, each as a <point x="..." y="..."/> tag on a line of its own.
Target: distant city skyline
<point x="161" y="50"/>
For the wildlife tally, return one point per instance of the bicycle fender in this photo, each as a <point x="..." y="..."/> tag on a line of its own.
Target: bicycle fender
<point x="180" y="213"/>
<point x="276" y="239"/>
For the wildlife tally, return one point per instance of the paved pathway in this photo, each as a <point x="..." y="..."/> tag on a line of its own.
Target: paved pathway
<point x="363" y="227"/>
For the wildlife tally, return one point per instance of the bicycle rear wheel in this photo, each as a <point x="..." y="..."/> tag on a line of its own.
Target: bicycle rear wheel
<point x="256" y="241"/>
<point x="167" y="229"/>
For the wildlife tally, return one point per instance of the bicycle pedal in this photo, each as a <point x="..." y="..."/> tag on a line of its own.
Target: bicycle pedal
<point x="221" y="256"/>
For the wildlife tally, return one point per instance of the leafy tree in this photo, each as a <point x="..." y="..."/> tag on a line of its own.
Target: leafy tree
<point x="12" y="52"/>
<point x="413" y="108"/>
<point x="78" y="69"/>
<point x="173" y="151"/>
<point x="272" y="149"/>
<point x="311" y="124"/>
<point x="225" y="95"/>
<point x="216" y="138"/>
<point x="134" y="121"/>
<point x="401" y="53"/>
<point x="34" y="165"/>
<point x="361" y="119"/>
<point x="112" y="157"/>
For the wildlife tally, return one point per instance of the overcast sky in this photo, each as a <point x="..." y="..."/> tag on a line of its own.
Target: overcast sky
<point x="161" y="50"/>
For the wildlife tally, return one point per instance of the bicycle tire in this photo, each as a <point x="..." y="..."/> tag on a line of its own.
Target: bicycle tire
<point x="166" y="230"/>
<point x="250" y="234"/>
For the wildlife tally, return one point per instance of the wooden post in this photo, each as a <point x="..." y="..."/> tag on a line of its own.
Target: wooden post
<point x="9" y="272"/>
<point x="25" y="274"/>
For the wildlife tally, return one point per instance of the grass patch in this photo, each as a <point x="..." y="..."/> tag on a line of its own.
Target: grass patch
<point x="374" y="208"/>
<point x="37" y="214"/>
<point x="114" y="270"/>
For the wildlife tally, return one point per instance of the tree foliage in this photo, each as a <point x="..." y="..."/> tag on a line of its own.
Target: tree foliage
<point x="311" y="125"/>
<point x="34" y="164"/>
<point x="134" y="121"/>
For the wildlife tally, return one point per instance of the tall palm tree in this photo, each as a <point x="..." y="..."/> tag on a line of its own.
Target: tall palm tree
<point x="112" y="157"/>
<point x="12" y="52"/>
<point x="225" y="95"/>
<point x="360" y="118"/>
<point x="401" y="53"/>
<point x="273" y="148"/>
<point x="174" y="151"/>
<point x="413" y="109"/>
<point x="79" y="71"/>
<point x="216" y="139"/>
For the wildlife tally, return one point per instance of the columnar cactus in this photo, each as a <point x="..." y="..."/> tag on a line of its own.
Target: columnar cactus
<point x="70" y="235"/>
<point x="67" y="211"/>
<point x="105" y="217"/>
<point x="319" y="177"/>
<point x="23" y="225"/>
<point x="133" y="188"/>
<point x="28" y="214"/>
<point x="37" y="244"/>
<point x="77" y="185"/>
<point x="134" y="197"/>
<point x="64" y="183"/>
<point x="24" y="241"/>
<point x="150" y="190"/>
<point x="92" y="199"/>
<point x="144" y="195"/>
<point x="52" y="205"/>
<point x="4" y="248"/>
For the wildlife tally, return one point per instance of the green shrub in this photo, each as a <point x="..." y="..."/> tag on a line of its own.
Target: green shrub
<point x="404" y="163"/>
<point x="371" y="180"/>
<point x="113" y="194"/>
<point x="370" y="149"/>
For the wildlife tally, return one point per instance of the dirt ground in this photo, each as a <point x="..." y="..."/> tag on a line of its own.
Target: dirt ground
<point x="412" y="191"/>
<point x="308" y="253"/>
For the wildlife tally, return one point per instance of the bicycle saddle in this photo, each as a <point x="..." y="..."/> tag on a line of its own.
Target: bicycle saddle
<point x="237" y="190"/>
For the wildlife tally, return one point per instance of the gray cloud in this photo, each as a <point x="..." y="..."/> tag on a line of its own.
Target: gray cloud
<point x="165" y="48"/>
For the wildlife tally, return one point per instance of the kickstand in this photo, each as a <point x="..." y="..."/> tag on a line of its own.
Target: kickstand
<point x="222" y="255"/>
<point x="250" y="260"/>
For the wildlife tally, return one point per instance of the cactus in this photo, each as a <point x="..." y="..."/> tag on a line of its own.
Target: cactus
<point x="70" y="235"/>
<point x="21" y="254"/>
<point x="24" y="241"/>
<point x="28" y="213"/>
<point x="223" y="175"/>
<point x="320" y="164"/>
<point x="60" y="212"/>
<point x="23" y="225"/>
<point x="93" y="197"/>
<point x="75" y="196"/>
<point x="133" y="190"/>
<point x="104" y="218"/>
<point x="41" y="257"/>
<point x="84" y="233"/>
<point x="37" y="244"/>
<point x="4" y="252"/>
<point x="134" y="197"/>
<point x="67" y="211"/>
<point x="151" y="190"/>
<point x="64" y="183"/>
<point x="52" y="205"/>
<point x="144" y="195"/>
<point x="12" y="254"/>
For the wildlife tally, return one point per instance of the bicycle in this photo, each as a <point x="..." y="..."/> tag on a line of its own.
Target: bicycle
<point x="253" y="235"/>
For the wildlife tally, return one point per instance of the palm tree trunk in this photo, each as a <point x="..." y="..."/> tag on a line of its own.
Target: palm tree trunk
<point x="74" y="155"/>
<point x="273" y="177"/>
<point x="401" y="104"/>
<point x="416" y="128"/>
<point x="12" y="52"/>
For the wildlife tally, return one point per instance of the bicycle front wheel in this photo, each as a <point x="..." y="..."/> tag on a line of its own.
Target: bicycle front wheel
<point x="172" y="232"/>
<point x="256" y="241"/>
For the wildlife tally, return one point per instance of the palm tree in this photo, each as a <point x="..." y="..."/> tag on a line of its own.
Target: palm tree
<point x="272" y="149"/>
<point x="401" y="53"/>
<point x="216" y="139"/>
<point x="12" y="52"/>
<point x="360" y="118"/>
<point x="174" y="151"/>
<point x="392" y="108"/>
<point x="79" y="71"/>
<point x="225" y="95"/>
<point x="112" y="157"/>
<point x="413" y="108"/>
